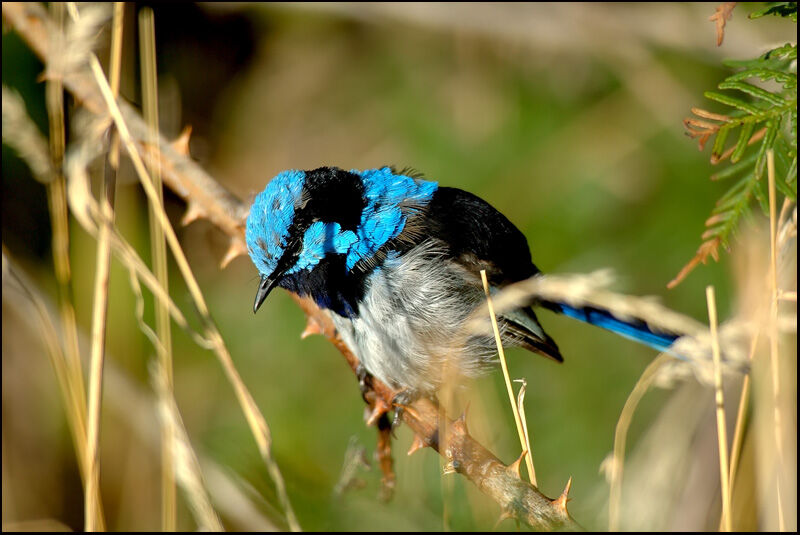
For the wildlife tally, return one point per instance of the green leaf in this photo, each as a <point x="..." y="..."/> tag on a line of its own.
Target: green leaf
<point x="767" y="143"/>
<point x="719" y="141"/>
<point x="733" y="102"/>
<point x="761" y="196"/>
<point x="733" y="170"/>
<point x="778" y="58"/>
<point x="731" y="196"/>
<point x="781" y="9"/>
<point x="791" y="179"/>
<point x="729" y="213"/>
<point x="787" y="51"/>
<point x="785" y="169"/>
<point x="754" y="91"/>
<point x="787" y="79"/>
<point x="774" y="108"/>
<point x="741" y="144"/>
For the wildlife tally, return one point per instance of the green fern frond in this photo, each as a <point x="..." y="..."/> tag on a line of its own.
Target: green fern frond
<point x="782" y="9"/>
<point x="762" y="113"/>
<point x="729" y="210"/>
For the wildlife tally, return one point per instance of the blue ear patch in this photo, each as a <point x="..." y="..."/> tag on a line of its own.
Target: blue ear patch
<point x="382" y="218"/>
<point x="270" y="217"/>
<point x="322" y="238"/>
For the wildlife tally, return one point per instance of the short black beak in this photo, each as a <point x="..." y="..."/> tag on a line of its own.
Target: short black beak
<point x="263" y="291"/>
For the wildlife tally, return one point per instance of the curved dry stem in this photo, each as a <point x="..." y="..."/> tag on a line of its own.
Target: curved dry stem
<point x="621" y="435"/>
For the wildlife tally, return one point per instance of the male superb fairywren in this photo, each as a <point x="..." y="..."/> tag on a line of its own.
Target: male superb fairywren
<point x="396" y="260"/>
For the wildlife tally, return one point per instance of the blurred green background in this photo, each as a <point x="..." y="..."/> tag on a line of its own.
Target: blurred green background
<point x="565" y="117"/>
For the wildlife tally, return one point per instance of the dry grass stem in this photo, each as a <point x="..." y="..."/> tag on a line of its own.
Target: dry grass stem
<point x="254" y="417"/>
<point x="92" y="499"/>
<point x="59" y="221"/>
<point x="14" y="280"/>
<point x="773" y="337"/>
<point x="234" y="497"/>
<point x="187" y="468"/>
<point x="21" y="134"/>
<point x="147" y="42"/>
<point x="99" y="308"/>
<point x="87" y="212"/>
<point x="521" y="409"/>
<point x="722" y="432"/>
<point x="520" y="429"/>
<point x="615" y="470"/>
<point x="739" y="429"/>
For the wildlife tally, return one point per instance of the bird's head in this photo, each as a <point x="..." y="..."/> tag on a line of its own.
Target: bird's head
<point x="326" y="216"/>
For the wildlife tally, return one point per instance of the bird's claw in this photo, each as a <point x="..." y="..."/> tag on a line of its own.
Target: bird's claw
<point x="401" y="402"/>
<point x="364" y="380"/>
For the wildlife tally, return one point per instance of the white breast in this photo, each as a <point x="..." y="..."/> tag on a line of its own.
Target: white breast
<point x="410" y="332"/>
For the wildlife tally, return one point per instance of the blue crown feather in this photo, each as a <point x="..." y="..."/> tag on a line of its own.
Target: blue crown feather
<point x="270" y="217"/>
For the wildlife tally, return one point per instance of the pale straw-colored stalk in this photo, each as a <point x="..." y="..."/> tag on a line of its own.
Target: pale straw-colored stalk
<point x="57" y="202"/>
<point x="100" y="300"/>
<point x="773" y="337"/>
<point x="147" y="55"/>
<point x="59" y="221"/>
<point x="722" y="431"/>
<point x="517" y="419"/>
<point x="738" y="432"/>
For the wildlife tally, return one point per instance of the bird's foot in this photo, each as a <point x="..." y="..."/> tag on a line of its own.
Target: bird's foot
<point x="401" y="402"/>
<point x="364" y="380"/>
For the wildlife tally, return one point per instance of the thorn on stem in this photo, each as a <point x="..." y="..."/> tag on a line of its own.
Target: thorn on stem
<point x="237" y="248"/>
<point x="312" y="327"/>
<point x="193" y="213"/>
<point x="379" y="409"/>
<point x="561" y="501"/>
<point x="181" y="143"/>
<point x="416" y="445"/>
<point x="516" y="465"/>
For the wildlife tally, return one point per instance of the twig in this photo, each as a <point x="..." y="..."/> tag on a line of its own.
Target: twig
<point x="212" y="201"/>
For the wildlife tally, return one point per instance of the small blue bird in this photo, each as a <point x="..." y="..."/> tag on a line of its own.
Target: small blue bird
<point x="396" y="259"/>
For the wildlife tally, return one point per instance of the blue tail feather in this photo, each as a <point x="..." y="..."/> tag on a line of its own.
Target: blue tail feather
<point x="634" y="329"/>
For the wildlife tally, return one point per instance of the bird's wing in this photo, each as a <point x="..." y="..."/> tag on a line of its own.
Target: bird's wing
<point x="480" y="237"/>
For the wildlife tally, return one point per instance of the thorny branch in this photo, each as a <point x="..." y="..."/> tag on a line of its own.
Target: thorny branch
<point x="206" y="198"/>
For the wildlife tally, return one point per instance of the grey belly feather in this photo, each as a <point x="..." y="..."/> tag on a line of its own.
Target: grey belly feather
<point x="410" y="331"/>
